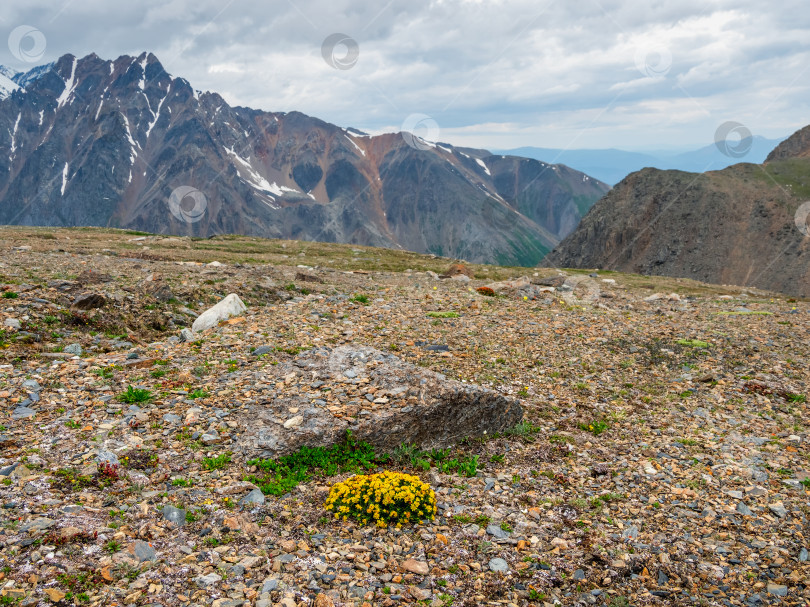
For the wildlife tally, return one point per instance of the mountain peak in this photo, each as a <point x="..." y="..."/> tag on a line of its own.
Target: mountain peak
<point x="795" y="146"/>
<point x="115" y="140"/>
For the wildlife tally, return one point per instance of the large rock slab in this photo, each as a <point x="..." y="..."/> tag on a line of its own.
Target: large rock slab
<point x="380" y="398"/>
<point x="225" y="309"/>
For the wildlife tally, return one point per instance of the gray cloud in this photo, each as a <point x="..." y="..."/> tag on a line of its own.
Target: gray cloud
<point x="491" y="73"/>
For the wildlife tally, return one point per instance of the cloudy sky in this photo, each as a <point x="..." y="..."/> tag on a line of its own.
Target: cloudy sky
<point x="633" y="74"/>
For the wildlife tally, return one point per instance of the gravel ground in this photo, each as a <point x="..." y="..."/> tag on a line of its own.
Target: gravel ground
<point x="663" y="457"/>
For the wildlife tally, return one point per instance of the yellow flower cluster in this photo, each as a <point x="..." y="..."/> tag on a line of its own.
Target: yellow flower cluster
<point x="382" y="499"/>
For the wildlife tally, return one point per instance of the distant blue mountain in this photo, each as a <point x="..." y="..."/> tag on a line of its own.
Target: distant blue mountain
<point x="612" y="165"/>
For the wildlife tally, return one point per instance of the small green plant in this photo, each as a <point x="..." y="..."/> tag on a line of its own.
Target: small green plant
<point x="10" y="295"/>
<point x="73" y="425"/>
<point x="112" y="546"/>
<point x="279" y="476"/>
<point x="360" y="298"/>
<point x="104" y="373"/>
<point x="446" y="600"/>
<point x="506" y="527"/>
<point x="443" y="314"/>
<point x="199" y="393"/>
<point x="181" y="482"/>
<point x="158" y="373"/>
<point x="524" y="429"/>
<point x="216" y="463"/>
<point x="468" y="466"/>
<point x="135" y="395"/>
<point x="806" y="483"/>
<point x="595" y="427"/>
<point x="693" y="343"/>
<point x="795" y="398"/>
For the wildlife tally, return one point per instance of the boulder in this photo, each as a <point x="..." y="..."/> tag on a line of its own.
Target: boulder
<point x="403" y="403"/>
<point x="225" y="309"/>
<point x="458" y="269"/>
<point x="88" y="301"/>
<point x="302" y="277"/>
<point x="156" y="287"/>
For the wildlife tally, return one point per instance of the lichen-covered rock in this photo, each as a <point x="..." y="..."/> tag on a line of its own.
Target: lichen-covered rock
<point x="381" y="399"/>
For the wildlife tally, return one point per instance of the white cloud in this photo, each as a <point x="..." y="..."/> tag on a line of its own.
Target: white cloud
<point x="491" y="73"/>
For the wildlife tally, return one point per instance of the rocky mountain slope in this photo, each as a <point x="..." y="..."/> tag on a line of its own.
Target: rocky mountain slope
<point x="107" y="143"/>
<point x="735" y="226"/>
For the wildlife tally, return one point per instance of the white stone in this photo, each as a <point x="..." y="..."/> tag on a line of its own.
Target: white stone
<point x="228" y="307"/>
<point x="293" y="422"/>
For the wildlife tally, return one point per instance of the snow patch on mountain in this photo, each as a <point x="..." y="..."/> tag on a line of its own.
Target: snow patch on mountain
<point x="64" y="178"/>
<point x="357" y="147"/>
<point x="483" y="165"/>
<point x="70" y="85"/>
<point x="7" y="86"/>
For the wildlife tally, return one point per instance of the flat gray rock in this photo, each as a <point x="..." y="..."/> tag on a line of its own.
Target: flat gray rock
<point x="411" y="405"/>
<point x="143" y="551"/>
<point x="254" y="497"/>
<point x="203" y="581"/>
<point x="743" y="509"/>
<point x="171" y="418"/>
<point x="107" y="457"/>
<point x="23" y="413"/>
<point x="174" y="515"/>
<point x="497" y="532"/>
<point x="74" y="349"/>
<point x="38" y="524"/>
<point x="777" y="589"/>
<point x="498" y="564"/>
<point x="32" y="385"/>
